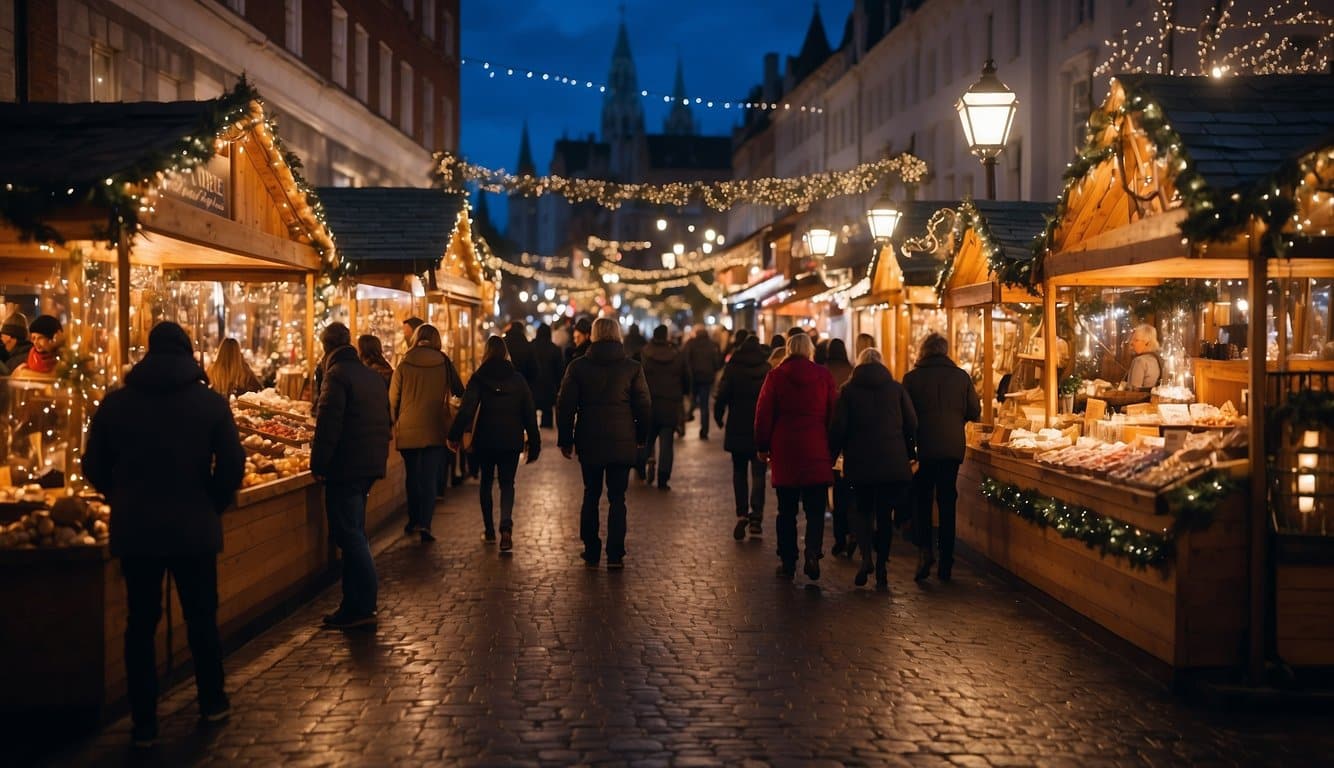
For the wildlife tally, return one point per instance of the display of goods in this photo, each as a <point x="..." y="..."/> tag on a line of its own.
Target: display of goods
<point x="261" y="469"/>
<point x="1172" y="393"/>
<point x="271" y="400"/>
<point x="1204" y="415"/>
<point x="257" y="443"/>
<point x="1048" y="439"/>
<point x="274" y="427"/>
<point x="1093" y="457"/>
<point x="70" y="522"/>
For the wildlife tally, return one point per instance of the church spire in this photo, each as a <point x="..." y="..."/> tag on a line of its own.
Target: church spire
<point x="815" y="49"/>
<point x="526" y="164"/>
<point x="622" y="114"/>
<point x="680" y="121"/>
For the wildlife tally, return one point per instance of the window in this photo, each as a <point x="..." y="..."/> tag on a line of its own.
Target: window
<point x="103" y="77"/>
<point x="344" y="177"/>
<point x="428" y="115"/>
<point x="447" y="32"/>
<point x="206" y="87"/>
<point x="447" y="122"/>
<point x="338" y="49"/>
<point x="428" y="18"/>
<point x="1077" y="13"/>
<point x="292" y="28"/>
<point x="406" y="97"/>
<point x="386" y="80"/>
<point x="168" y="88"/>
<point x="1016" y="29"/>
<point x="361" y="63"/>
<point x="1080" y="108"/>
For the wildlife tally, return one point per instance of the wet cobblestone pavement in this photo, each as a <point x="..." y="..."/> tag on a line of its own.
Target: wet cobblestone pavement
<point x="694" y="655"/>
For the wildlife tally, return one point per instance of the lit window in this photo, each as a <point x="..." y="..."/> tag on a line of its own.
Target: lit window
<point x="292" y="18"/>
<point x="406" y="99"/>
<point x="105" y="80"/>
<point x="361" y="63"/>
<point x="343" y="177"/>
<point x="338" y="47"/>
<point x="386" y="80"/>
<point x="428" y="18"/>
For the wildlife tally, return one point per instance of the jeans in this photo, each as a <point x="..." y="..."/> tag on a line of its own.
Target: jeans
<point x="508" y="465"/>
<point x="700" y="398"/>
<point x="937" y="480"/>
<point x="345" y="505"/>
<point x="872" y="520"/>
<point x="421" y="475"/>
<point x="844" y="501"/>
<point x="812" y="499"/>
<point x="618" y="479"/>
<point x="748" y="470"/>
<point x="197" y="585"/>
<point x="665" y="436"/>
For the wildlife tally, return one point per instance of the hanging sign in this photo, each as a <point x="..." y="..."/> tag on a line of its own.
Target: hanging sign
<point x="206" y="188"/>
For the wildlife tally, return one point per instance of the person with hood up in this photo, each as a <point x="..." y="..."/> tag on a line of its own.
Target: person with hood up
<point x="944" y="397"/>
<point x="580" y="335"/>
<point x="498" y="410"/>
<point x="704" y="360"/>
<point x="873" y="427"/>
<point x="738" y="392"/>
<point x="668" y="382"/>
<point x="14" y="340"/>
<point x="791" y="432"/>
<point x="836" y="360"/>
<point x="550" y="367"/>
<point x="604" y="413"/>
<point x="419" y="393"/>
<point x="164" y="451"/>
<point x="521" y="352"/>
<point x="348" y="454"/>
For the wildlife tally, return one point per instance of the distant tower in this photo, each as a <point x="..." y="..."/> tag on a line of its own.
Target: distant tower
<point x="622" y="113"/>
<point x="521" y="228"/>
<point x="680" y="121"/>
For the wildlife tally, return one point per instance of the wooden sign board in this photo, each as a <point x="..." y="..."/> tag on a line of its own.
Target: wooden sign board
<point x="207" y="187"/>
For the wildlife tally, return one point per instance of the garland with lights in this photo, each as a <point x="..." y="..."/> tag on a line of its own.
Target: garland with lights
<point x="1014" y="273"/>
<point x="453" y="173"/>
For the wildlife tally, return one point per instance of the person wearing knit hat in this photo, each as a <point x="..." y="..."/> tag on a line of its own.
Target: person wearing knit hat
<point x="14" y="340"/>
<point x="164" y="451"/>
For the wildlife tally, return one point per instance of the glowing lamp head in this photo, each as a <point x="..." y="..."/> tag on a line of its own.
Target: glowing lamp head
<point x="987" y="111"/>
<point x="883" y="218"/>
<point x="820" y="241"/>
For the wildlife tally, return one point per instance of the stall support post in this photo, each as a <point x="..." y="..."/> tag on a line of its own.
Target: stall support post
<point x="311" y="357"/>
<point x="1050" y="360"/>
<point x="988" y="365"/>
<point x="1259" y="524"/>
<point x="122" y="302"/>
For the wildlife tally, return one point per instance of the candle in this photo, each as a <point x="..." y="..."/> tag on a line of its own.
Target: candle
<point x="1307" y="460"/>
<point x="1306" y="484"/>
<point x="1306" y="503"/>
<point x="1311" y="439"/>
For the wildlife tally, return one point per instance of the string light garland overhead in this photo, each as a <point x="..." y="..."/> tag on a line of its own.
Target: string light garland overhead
<point x="453" y="173"/>
<point x="494" y="70"/>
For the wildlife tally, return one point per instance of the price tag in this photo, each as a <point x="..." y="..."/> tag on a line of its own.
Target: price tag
<point x="1174" y="440"/>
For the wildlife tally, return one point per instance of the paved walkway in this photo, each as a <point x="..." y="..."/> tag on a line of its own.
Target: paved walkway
<point x="694" y="655"/>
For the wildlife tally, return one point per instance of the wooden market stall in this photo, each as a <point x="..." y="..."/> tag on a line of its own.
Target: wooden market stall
<point x="1207" y="180"/>
<point x="114" y="212"/>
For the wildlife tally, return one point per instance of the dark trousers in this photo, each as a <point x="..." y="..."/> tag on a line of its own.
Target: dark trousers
<point x="661" y="442"/>
<point x="748" y="485"/>
<point x="812" y="499"/>
<point x="548" y="415"/>
<point x="617" y="478"/>
<point x="345" y="506"/>
<point x="507" y="465"/>
<point x="700" y="400"/>
<point x="197" y="585"/>
<point x="421" y="475"/>
<point x="844" y="501"/>
<point x="872" y="518"/>
<point x="936" y="480"/>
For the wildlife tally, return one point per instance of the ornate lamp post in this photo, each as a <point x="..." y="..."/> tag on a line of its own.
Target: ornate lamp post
<point x="987" y="112"/>
<point x="883" y="217"/>
<point x="820" y="242"/>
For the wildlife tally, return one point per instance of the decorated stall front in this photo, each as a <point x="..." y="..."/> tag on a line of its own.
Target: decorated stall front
<point x="115" y="217"/>
<point x="1149" y="510"/>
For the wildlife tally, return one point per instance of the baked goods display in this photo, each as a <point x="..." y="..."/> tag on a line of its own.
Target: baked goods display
<point x="270" y="400"/>
<point x="1145" y="463"/>
<point x="260" y="469"/>
<point x="273" y="427"/>
<point x="62" y="521"/>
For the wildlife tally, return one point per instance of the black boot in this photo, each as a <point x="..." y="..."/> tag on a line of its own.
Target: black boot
<point x="924" y="562"/>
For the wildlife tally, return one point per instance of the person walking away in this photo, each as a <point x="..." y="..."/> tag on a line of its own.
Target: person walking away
<point x="230" y="375"/>
<point x="582" y="328"/>
<point x="521" y="352"/>
<point x="777" y="351"/>
<point x="944" y="397"/>
<point x="347" y="455"/>
<point x="634" y="343"/>
<point x="668" y="382"/>
<point x="410" y="327"/>
<point x="550" y="368"/>
<point x="371" y="354"/>
<point x="419" y="393"/>
<point x="498" y="410"/>
<point x="836" y="360"/>
<point x="873" y="428"/>
<point x="705" y="360"/>
<point x="164" y="452"/>
<point x="604" y="413"/>
<point x="738" y="392"/>
<point x="791" y="432"/>
<point x="863" y="342"/>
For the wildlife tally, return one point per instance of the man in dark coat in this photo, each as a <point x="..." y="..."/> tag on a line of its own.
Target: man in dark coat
<point x="705" y="360"/>
<point x="165" y="453"/>
<point x="944" y="397"/>
<point x="873" y="427"/>
<point x="668" y="382"/>
<point x="580" y="335"/>
<point x="604" y="412"/>
<point x="347" y="455"/>
<point x="634" y="343"/>
<point x="550" y="368"/>
<point x="738" y="392"/>
<point x="521" y="352"/>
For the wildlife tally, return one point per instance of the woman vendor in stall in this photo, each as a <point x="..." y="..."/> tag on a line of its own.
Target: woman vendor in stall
<point x="1146" y="368"/>
<point x="230" y="375"/>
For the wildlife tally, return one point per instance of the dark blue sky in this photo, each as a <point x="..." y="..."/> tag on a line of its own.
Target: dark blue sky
<point x="721" y="43"/>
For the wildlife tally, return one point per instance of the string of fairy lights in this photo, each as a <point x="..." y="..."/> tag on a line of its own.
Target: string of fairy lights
<point x="1288" y="37"/>
<point x="495" y="70"/>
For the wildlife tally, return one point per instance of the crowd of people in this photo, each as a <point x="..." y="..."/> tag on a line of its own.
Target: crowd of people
<point x="798" y="410"/>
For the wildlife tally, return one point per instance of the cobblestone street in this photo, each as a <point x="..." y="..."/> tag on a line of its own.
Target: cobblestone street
<point x="695" y="655"/>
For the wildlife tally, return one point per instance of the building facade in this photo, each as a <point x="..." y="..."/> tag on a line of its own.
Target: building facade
<point x="364" y="90"/>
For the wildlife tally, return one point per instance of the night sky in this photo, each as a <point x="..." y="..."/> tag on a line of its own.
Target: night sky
<point x="721" y="43"/>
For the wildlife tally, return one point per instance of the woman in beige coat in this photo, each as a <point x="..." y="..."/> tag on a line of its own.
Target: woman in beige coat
<point x="419" y="393"/>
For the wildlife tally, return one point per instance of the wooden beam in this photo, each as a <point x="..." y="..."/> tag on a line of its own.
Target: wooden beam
<point x="311" y="357"/>
<point x="1137" y="254"/>
<point x="988" y="365"/>
<point x="1049" y="340"/>
<point x="195" y="272"/>
<point x="1257" y="333"/>
<point x="183" y="222"/>
<point x="973" y="295"/>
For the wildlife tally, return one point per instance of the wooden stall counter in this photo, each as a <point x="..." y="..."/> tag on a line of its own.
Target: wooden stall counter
<point x="1172" y="612"/>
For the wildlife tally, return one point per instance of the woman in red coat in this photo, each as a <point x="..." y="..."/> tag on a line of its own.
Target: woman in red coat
<point x="791" y="432"/>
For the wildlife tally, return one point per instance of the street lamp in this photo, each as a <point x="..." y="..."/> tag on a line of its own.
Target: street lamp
<point x="883" y="217"/>
<point x="820" y="242"/>
<point x="987" y="113"/>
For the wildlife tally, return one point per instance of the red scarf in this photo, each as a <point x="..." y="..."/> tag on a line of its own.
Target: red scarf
<point x="41" y="362"/>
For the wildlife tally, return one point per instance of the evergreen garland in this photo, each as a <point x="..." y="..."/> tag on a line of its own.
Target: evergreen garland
<point x="1013" y="273"/>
